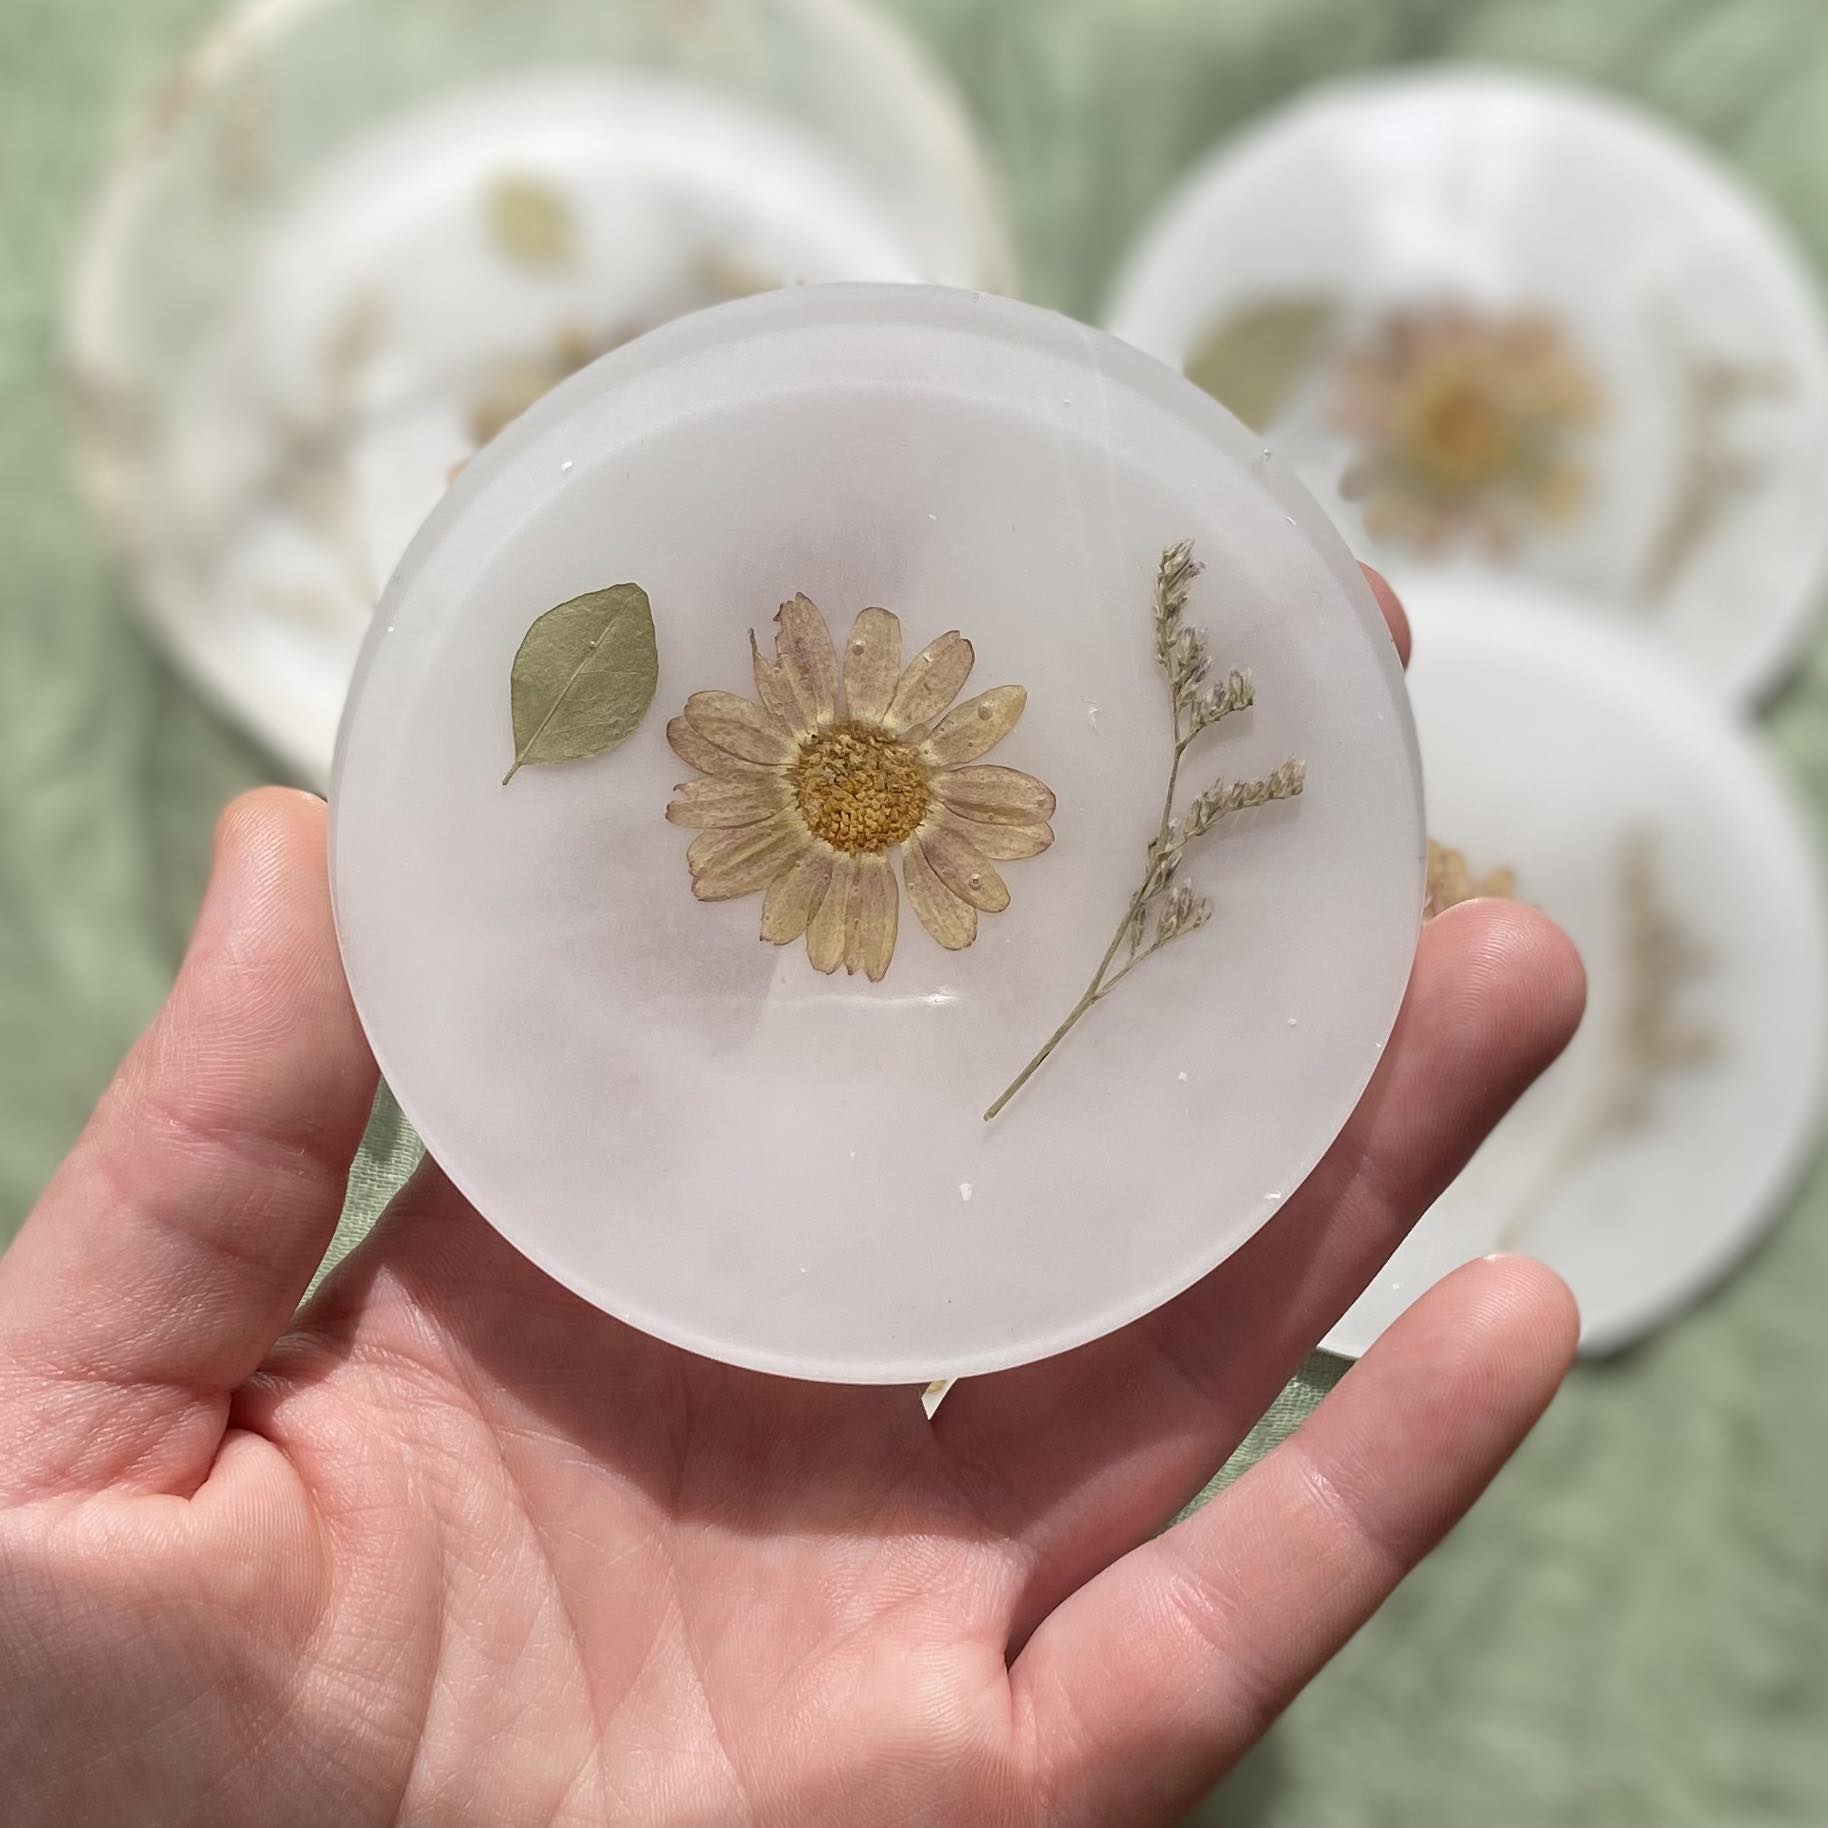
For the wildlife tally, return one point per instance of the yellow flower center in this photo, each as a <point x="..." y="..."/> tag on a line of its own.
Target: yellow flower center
<point x="858" y="788"/>
<point x="1460" y="431"/>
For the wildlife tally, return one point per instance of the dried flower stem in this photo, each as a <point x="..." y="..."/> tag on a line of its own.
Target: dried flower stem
<point x="1182" y="654"/>
<point x="1712" y="473"/>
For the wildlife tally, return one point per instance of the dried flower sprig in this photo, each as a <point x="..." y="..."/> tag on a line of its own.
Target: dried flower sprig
<point x="1451" y="881"/>
<point x="1713" y="473"/>
<point x="312" y="474"/>
<point x="1650" y="1041"/>
<point x="1164" y="907"/>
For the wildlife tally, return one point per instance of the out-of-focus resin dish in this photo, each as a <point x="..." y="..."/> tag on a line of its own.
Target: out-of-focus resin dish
<point x="351" y="239"/>
<point x="1623" y="802"/>
<point x="778" y="1153"/>
<point x="1498" y="317"/>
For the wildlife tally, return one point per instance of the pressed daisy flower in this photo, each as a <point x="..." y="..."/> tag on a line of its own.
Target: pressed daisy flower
<point x="1465" y="426"/>
<point x="808" y="795"/>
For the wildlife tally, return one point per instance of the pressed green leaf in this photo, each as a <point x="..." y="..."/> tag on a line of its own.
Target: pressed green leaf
<point x="583" y="677"/>
<point x="1251" y="360"/>
<point x="531" y="221"/>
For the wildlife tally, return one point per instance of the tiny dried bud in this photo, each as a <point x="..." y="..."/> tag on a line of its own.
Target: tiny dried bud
<point x="1177" y="570"/>
<point x="1162" y="874"/>
<point x="1236" y="694"/>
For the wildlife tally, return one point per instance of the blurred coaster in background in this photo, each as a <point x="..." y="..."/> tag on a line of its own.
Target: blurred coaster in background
<point x="1491" y="316"/>
<point x="353" y="240"/>
<point x="1635" y="812"/>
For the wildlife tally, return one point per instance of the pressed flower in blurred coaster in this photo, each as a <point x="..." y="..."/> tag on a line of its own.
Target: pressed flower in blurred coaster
<point x="1466" y="427"/>
<point x="1492" y="317"/>
<point x="1574" y="763"/>
<point x="1651" y="1036"/>
<point x="514" y="382"/>
<point x="810" y="793"/>
<point x="531" y="221"/>
<point x="495" y="196"/>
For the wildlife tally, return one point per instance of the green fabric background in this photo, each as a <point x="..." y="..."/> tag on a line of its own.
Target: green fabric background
<point x="1630" y="1632"/>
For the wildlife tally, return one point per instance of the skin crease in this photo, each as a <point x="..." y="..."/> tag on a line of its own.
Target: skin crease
<point x="452" y="1547"/>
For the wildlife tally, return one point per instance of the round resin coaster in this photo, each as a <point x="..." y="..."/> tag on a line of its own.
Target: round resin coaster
<point x="1494" y="316"/>
<point x="875" y="618"/>
<point x="354" y="238"/>
<point x="1570" y="768"/>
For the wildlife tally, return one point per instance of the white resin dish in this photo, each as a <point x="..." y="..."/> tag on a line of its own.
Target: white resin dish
<point x="694" y="1129"/>
<point x="1688" y="489"/>
<point x="1548" y="742"/>
<point x="297" y="309"/>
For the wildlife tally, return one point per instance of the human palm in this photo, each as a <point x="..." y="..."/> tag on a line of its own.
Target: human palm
<point x="452" y="1547"/>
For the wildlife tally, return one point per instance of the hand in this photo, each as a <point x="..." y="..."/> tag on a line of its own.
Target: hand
<point x="451" y="1547"/>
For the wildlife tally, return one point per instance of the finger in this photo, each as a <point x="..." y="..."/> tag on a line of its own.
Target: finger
<point x="1144" y="1687"/>
<point x="176" y="1240"/>
<point x="1080" y="1457"/>
<point x="1391" y="604"/>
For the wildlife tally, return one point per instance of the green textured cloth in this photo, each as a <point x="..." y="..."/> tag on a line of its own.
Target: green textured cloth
<point x="1630" y="1632"/>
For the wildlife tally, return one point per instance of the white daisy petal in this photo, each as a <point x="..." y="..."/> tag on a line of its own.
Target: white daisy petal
<point x="794" y="896"/>
<point x="996" y="796"/>
<point x="826" y="931"/>
<point x="930" y="683"/>
<point x="951" y="921"/>
<point x="802" y="645"/>
<point x="872" y="665"/>
<point x="731" y="863"/>
<point x="720" y="801"/>
<point x="1001" y="843"/>
<point x="869" y="939"/>
<point x="775" y="689"/>
<point x="964" y="869"/>
<point x="977" y="725"/>
<point x="745" y="729"/>
<point x="700" y="753"/>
